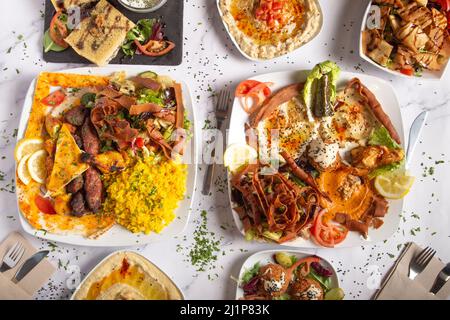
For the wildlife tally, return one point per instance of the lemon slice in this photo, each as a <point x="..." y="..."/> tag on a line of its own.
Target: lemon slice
<point x="22" y="170"/>
<point x="394" y="185"/>
<point x="237" y="155"/>
<point x="27" y="147"/>
<point x="36" y="166"/>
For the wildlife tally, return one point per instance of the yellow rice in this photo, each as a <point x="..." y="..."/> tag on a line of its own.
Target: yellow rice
<point x="144" y="196"/>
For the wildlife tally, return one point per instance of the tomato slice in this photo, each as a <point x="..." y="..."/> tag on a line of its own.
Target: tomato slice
<point x="58" y="30"/>
<point x="155" y="48"/>
<point x="54" y="99"/>
<point x="408" y="72"/>
<point x="445" y="4"/>
<point x="448" y="20"/>
<point x="326" y="234"/>
<point x="44" y="205"/>
<point x="244" y="87"/>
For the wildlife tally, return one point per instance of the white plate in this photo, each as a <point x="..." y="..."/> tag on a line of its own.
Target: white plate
<point x="385" y="95"/>
<point x="265" y="257"/>
<point x="109" y="257"/>
<point x="118" y="236"/>
<point x="260" y="60"/>
<point x="426" y="74"/>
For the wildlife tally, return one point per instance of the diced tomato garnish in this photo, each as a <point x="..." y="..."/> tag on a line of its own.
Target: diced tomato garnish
<point x="44" y="205"/>
<point x="327" y="234"/>
<point x="408" y="72"/>
<point x="139" y="142"/>
<point x="54" y="99"/>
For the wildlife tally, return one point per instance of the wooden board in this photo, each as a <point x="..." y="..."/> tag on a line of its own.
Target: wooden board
<point x="171" y="14"/>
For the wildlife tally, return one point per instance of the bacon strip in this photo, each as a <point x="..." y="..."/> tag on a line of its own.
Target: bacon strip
<point x="302" y="174"/>
<point x="157" y="137"/>
<point x="179" y="123"/>
<point x="137" y="109"/>
<point x="375" y="106"/>
<point x="147" y="83"/>
<point x="272" y="200"/>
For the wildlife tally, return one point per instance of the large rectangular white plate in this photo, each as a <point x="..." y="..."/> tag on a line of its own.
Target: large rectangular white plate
<point x="385" y="94"/>
<point x="265" y="257"/>
<point x="118" y="236"/>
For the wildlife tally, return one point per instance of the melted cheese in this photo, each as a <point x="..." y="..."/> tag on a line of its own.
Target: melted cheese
<point x="67" y="164"/>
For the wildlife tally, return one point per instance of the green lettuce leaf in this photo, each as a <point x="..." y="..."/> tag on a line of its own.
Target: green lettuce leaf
<point x="324" y="281"/>
<point x="250" y="273"/>
<point x="141" y="32"/>
<point x="328" y="68"/>
<point x="381" y="137"/>
<point x="386" y="169"/>
<point x="49" y="45"/>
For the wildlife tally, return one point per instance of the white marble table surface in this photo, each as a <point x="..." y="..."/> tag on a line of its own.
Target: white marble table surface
<point x="211" y="61"/>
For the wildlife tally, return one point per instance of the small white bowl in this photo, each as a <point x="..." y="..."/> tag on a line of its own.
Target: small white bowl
<point x="236" y="44"/>
<point x="426" y="74"/>
<point x="142" y="10"/>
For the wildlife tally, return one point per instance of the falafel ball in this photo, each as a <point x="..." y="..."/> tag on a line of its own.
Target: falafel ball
<point x="273" y="279"/>
<point x="306" y="289"/>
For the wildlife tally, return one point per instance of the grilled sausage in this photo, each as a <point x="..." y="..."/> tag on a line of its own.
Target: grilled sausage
<point x="76" y="116"/>
<point x="75" y="185"/>
<point x="93" y="188"/>
<point x="91" y="142"/>
<point x="77" y="204"/>
<point x="78" y="140"/>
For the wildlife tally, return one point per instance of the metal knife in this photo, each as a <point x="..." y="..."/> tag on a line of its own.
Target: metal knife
<point x="29" y="264"/>
<point x="414" y="134"/>
<point x="441" y="279"/>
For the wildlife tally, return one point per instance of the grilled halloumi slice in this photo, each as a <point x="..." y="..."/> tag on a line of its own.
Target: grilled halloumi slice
<point x="99" y="37"/>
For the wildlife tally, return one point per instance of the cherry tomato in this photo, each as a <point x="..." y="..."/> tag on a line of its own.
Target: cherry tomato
<point x="155" y="48"/>
<point x="44" y="205"/>
<point x="54" y="99"/>
<point x="326" y="234"/>
<point x="408" y="72"/>
<point x="58" y="30"/>
<point x="139" y="142"/>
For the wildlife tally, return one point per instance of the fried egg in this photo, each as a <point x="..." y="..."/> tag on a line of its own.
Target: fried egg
<point x="287" y="129"/>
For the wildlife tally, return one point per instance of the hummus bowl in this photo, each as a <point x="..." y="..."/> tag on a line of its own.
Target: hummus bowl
<point x="261" y="35"/>
<point x="127" y="275"/>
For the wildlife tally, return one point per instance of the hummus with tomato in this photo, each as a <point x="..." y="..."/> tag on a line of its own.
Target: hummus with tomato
<point x="265" y="29"/>
<point x="127" y="276"/>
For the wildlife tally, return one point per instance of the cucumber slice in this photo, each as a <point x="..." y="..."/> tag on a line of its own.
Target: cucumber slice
<point x="148" y="74"/>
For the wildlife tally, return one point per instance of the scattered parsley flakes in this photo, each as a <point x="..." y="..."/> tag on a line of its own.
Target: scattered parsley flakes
<point x="206" y="246"/>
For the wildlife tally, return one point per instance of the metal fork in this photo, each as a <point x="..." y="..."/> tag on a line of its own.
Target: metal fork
<point x="420" y="262"/>
<point x="222" y="111"/>
<point x="12" y="257"/>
